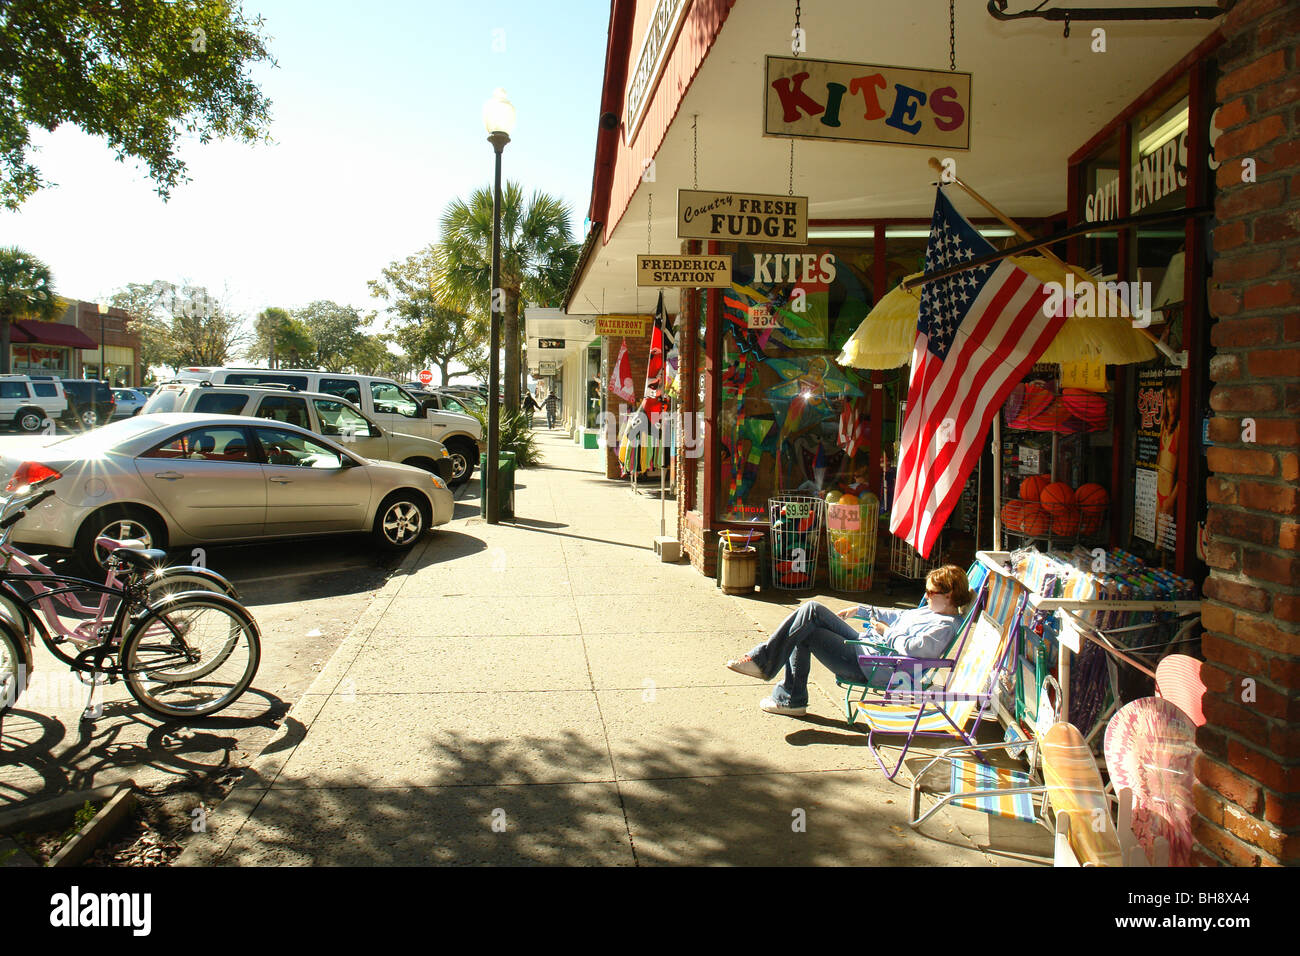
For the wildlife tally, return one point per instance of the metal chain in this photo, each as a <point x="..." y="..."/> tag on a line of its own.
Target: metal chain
<point x="952" y="35"/>
<point x="649" y="204"/>
<point x="791" y="166"/>
<point x="695" y="150"/>
<point x="798" y="11"/>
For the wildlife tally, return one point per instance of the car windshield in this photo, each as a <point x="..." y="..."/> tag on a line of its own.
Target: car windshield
<point x="104" y="438"/>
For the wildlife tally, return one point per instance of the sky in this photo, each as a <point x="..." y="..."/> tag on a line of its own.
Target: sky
<point x="376" y="112"/>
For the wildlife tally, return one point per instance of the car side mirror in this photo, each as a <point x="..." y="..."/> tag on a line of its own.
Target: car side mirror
<point x="376" y="431"/>
<point x="424" y="410"/>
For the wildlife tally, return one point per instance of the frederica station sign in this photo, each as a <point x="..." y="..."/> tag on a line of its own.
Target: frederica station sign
<point x="691" y="272"/>
<point x="735" y="216"/>
<point x="860" y="102"/>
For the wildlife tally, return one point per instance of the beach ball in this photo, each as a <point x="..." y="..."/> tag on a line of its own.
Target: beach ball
<point x="1013" y="514"/>
<point x="1065" y="523"/>
<point x="1035" y="522"/>
<point x="1057" y="498"/>
<point x="849" y="500"/>
<point x="1031" y="489"/>
<point x="833" y="497"/>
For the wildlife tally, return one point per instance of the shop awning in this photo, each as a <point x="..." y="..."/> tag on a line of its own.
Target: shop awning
<point x="50" y="333"/>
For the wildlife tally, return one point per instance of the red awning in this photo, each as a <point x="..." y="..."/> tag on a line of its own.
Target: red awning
<point x="50" y="333"/>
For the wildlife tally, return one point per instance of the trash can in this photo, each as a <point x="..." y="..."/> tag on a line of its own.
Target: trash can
<point x="505" y="483"/>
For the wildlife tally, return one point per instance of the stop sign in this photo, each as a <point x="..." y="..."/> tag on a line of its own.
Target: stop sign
<point x="426" y="377"/>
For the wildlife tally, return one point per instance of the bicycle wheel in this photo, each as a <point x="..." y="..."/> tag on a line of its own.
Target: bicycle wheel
<point x="191" y="657"/>
<point x="13" y="671"/>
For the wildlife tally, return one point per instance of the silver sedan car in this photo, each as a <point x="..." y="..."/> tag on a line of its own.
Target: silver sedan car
<point x="173" y="479"/>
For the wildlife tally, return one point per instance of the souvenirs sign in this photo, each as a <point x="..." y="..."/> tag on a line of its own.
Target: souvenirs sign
<point x="737" y="216"/>
<point x="550" y="343"/>
<point x="627" y="326"/>
<point x="689" y="272"/>
<point x="831" y="99"/>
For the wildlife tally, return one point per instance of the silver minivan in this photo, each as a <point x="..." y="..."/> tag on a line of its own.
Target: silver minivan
<point x="382" y="400"/>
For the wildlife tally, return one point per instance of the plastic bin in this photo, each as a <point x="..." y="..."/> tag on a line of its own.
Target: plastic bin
<point x="506" y="467"/>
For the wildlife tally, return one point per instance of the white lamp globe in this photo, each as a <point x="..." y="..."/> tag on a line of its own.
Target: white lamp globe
<point x="499" y="114"/>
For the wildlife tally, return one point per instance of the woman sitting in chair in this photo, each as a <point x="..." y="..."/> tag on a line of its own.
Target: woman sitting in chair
<point x="814" y="630"/>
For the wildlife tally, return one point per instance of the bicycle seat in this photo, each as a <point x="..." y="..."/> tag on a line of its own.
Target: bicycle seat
<point x="142" y="559"/>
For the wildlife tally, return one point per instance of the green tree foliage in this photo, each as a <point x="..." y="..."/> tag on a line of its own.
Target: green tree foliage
<point x="335" y="332"/>
<point x="139" y="73"/>
<point x="143" y="306"/>
<point x="26" y="289"/>
<point x="204" y="330"/>
<point x="538" y="255"/>
<point x="280" y="339"/>
<point x="429" y="332"/>
<point x="370" y="356"/>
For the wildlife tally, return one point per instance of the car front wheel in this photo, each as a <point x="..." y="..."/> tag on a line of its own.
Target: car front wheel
<point x="400" y="521"/>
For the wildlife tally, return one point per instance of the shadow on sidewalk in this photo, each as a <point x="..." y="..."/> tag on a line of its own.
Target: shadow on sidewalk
<point x="684" y="803"/>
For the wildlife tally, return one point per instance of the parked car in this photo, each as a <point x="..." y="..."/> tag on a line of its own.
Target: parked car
<point x="175" y="480"/>
<point x="381" y="399"/>
<point x="317" y="412"/>
<point x="448" y="401"/>
<point x="129" y="401"/>
<point x="90" y="402"/>
<point x="31" y="402"/>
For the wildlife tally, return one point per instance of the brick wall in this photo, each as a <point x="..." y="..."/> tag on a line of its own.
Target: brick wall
<point x="1247" y="786"/>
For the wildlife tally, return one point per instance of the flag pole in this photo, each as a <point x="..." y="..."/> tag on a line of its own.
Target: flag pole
<point x="1020" y="231"/>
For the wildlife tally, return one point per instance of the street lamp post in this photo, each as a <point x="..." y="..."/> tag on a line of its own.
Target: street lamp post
<point x="499" y="118"/>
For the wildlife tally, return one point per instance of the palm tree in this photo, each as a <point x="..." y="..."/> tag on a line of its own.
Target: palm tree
<point x="537" y="256"/>
<point x="26" y="288"/>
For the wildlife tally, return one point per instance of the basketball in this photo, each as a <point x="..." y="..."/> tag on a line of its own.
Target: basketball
<point x="1065" y="523"/>
<point x="1031" y="489"/>
<point x="1092" y="496"/>
<point x="1088" y="406"/>
<point x="1057" y="498"/>
<point x="1013" y="514"/>
<point x="1038" y="405"/>
<point x="1036" y="522"/>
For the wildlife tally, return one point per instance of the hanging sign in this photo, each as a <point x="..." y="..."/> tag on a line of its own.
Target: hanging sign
<point x="628" y="326"/>
<point x="844" y="517"/>
<point x="782" y="220"/>
<point x="690" y="272"/>
<point x="1087" y="373"/>
<point x="546" y="368"/>
<point x="831" y="99"/>
<point x="550" y="343"/>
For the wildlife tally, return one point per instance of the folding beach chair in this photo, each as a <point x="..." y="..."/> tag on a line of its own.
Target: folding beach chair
<point x="946" y="711"/>
<point x="930" y="667"/>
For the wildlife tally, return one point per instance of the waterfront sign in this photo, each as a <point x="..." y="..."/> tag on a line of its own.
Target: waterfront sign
<point x="866" y="103"/>
<point x="627" y="326"/>
<point x="688" y="272"/>
<point x="736" y="216"/>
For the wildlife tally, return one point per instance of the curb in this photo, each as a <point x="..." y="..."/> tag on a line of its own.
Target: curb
<point x="207" y="848"/>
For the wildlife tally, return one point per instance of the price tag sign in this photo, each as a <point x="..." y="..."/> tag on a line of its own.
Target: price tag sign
<point x="843" y="517"/>
<point x="764" y="317"/>
<point x="1029" y="461"/>
<point x="797" y="509"/>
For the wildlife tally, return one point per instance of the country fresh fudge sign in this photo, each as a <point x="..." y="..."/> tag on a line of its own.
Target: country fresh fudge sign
<point x="832" y="99"/>
<point x="735" y="216"/>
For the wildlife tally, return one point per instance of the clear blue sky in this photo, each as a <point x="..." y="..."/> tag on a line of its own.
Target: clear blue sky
<point x="377" y="117"/>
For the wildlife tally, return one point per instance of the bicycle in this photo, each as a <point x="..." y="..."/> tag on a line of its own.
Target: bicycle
<point x="170" y="647"/>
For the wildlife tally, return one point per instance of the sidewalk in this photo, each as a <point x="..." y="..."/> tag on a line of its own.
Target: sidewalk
<point x="548" y="692"/>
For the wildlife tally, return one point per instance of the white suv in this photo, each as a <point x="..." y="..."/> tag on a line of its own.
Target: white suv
<point x="381" y="399"/>
<point x="31" y="404"/>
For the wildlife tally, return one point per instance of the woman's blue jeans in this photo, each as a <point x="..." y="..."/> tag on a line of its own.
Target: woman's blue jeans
<point x="814" y="630"/>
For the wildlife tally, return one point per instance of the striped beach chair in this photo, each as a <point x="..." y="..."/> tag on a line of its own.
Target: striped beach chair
<point x="958" y="707"/>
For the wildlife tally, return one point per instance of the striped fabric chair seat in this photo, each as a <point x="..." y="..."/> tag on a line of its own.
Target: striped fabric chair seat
<point x="901" y="719"/>
<point x="976" y="787"/>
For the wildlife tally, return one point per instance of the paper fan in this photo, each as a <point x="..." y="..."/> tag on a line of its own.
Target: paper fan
<point x="1150" y="748"/>
<point x="1178" y="680"/>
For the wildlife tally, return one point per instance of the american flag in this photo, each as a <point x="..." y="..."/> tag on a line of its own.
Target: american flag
<point x="978" y="333"/>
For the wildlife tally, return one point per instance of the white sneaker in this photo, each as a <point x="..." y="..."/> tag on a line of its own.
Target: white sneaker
<point x="747" y="667"/>
<point x="768" y="706"/>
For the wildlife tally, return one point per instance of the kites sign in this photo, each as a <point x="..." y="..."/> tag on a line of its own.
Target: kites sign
<point x="830" y="99"/>
<point x="735" y="216"/>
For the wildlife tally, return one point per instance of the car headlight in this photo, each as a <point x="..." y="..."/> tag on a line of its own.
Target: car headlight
<point x="438" y="483"/>
<point x="445" y="453"/>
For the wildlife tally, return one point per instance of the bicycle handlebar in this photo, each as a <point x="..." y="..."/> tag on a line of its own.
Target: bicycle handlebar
<point x="18" y="515"/>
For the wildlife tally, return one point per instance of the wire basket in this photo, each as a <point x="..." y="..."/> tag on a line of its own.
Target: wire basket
<point x="905" y="562"/>
<point x="796" y="522"/>
<point x="851" y="543"/>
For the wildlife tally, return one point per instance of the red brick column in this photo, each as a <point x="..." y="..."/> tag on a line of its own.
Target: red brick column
<point x="1248" y="775"/>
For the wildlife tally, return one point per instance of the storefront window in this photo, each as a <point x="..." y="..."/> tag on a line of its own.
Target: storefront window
<point x="593" y="384"/>
<point x="41" y="360"/>
<point x="791" y="419"/>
